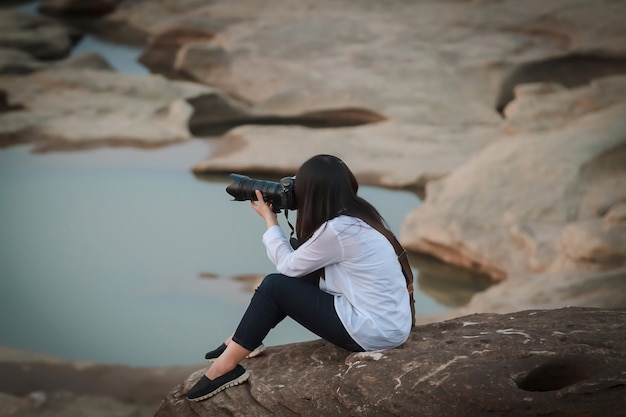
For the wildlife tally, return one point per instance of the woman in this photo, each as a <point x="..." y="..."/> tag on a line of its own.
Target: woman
<point x="343" y="283"/>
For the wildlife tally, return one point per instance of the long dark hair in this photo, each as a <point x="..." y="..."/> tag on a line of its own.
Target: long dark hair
<point x="326" y="188"/>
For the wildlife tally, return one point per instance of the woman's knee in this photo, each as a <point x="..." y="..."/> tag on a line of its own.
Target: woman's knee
<point x="271" y="282"/>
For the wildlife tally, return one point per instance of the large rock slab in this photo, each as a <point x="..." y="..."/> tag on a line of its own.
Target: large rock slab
<point x="74" y="8"/>
<point x="515" y="108"/>
<point x="437" y="72"/>
<point x="546" y="200"/>
<point x="41" y="37"/>
<point x="559" y="362"/>
<point x="33" y="384"/>
<point x="69" y="107"/>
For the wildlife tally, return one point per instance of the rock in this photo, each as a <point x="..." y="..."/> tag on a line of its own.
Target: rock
<point x="161" y="53"/>
<point x="570" y="71"/>
<point x="66" y="107"/>
<point x="411" y="95"/>
<point x="87" y="60"/>
<point x="38" y="385"/>
<point x="16" y="62"/>
<point x="615" y="216"/>
<point x="533" y="202"/>
<point x="542" y="107"/>
<point x="434" y="72"/>
<point x="4" y="105"/>
<point x="589" y="241"/>
<point x="201" y="55"/>
<point x="75" y="8"/>
<point x="9" y="404"/>
<point x="282" y="149"/>
<point x="552" y="362"/>
<point x="41" y="37"/>
<point x="64" y="404"/>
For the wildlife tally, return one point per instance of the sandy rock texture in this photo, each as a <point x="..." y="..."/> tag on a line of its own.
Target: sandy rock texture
<point x="510" y="116"/>
<point x="79" y="101"/>
<point x="542" y="208"/>
<point x="35" y="385"/>
<point x="565" y="362"/>
<point x="438" y="73"/>
<point x="40" y="37"/>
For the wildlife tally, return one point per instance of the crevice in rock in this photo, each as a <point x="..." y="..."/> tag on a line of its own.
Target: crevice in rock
<point x="78" y="9"/>
<point x="554" y="375"/>
<point x="200" y="125"/>
<point x="568" y="71"/>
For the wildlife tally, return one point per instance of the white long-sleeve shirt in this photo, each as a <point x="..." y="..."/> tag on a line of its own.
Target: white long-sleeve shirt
<point x="362" y="272"/>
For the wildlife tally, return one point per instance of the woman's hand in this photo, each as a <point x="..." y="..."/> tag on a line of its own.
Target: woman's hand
<point x="264" y="210"/>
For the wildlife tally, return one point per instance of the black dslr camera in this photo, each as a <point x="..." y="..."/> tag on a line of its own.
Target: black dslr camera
<point x="281" y="195"/>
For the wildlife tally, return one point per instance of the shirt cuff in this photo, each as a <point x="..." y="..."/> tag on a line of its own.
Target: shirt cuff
<point x="274" y="232"/>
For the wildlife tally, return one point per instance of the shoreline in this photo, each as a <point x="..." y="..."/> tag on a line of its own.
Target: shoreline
<point x="33" y="379"/>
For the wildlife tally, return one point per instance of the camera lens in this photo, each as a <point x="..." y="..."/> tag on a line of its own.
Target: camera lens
<point x="243" y="188"/>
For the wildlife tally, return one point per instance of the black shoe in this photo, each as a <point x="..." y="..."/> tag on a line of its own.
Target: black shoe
<point x="206" y="388"/>
<point x="214" y="354"/>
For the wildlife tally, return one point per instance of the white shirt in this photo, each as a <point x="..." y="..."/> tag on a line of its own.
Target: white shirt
<point x="362" y="272"/>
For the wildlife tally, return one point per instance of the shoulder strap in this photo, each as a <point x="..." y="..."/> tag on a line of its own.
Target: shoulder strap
<point x="408" y="275"/>
<point x="404" y="263"/>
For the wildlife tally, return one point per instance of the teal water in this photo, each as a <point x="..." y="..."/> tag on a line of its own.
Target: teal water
<point x="103" y="254"/>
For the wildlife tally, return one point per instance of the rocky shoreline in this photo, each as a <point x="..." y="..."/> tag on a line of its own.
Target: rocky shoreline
<point x="509" y="120"/>
<point x="32" y="384"/>
<point x="565" y="362"/>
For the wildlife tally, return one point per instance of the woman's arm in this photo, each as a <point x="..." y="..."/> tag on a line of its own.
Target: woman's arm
<point x="322" y="249"/>
<point x="264" y="210"/>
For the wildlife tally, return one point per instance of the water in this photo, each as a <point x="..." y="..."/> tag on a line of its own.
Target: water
<point x="105" y="254"/>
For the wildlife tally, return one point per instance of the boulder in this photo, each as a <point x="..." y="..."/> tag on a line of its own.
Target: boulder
<point x="543" y="202"/>
<point x="17" y="61"/>
<point x="87" y="60"/>
<point x="162" y="50"/>
<point x="41" y="37"/>
<point x="542" y="362"/>
<point x="73" y="8"/>
<point x="69" y="107"/>
<point x="33" y="384"/>
<point x="437" y="73"/>
<point x="509" y="118"/>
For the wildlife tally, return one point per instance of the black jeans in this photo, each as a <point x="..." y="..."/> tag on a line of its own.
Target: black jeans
<point x="280" y="296"/>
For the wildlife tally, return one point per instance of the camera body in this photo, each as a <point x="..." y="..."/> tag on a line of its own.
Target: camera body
<point x="282" y="195"/>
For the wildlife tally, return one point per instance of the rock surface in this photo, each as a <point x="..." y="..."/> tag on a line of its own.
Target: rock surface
<point x="73" y="8"/>
<point x="37" y="385"/>
<point x="41" y="37"/>
<point x="566" y="362"/>
<point x="75" y="107"/>
<point x="437" y="72"/>
<point x="540" y="208"/>
<point x="511" y="117"/>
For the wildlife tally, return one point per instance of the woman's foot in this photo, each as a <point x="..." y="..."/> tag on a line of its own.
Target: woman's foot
<point x="215" y="353"/>
<point x="206" y="387"/>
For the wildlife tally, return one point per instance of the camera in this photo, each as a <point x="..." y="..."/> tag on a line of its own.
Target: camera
<point x="281" y="195"/>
